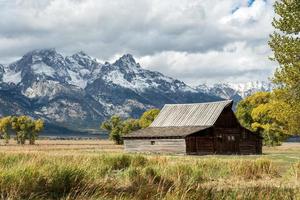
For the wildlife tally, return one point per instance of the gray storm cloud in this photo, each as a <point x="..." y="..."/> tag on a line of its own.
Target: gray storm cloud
<point x="191" y="40"/>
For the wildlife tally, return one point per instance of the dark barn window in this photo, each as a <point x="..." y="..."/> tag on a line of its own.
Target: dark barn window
<point x="152" y="142"/>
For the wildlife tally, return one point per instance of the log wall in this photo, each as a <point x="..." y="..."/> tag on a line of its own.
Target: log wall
<point x="199" y="144"/>
<point x="176" y="146"/>
<point x="250" y="143"/>
<point x="227" y="119"/>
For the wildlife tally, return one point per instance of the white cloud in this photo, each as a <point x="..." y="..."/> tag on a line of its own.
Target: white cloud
<point x="236" y="62"/>
<point x="246" y="14"/>
<point x="164" y="35"/>
<point x="249" y="22"/>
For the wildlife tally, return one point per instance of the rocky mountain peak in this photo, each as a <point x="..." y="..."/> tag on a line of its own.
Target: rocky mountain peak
<point x="82" y="59"/>
<point x="49" y="57"/>
<point x="46" y="51"/>
<point x="203" y="88"/>
<point x="78" y="90"/>
<point x="42" y="54"/>
<point x="235" y="91"/>
<point x="81" y="55"/>
<point x="126" y="60"/>
<point x="127" y="57"/>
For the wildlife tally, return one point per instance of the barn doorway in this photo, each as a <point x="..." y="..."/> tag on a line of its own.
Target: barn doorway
<point x="199" y="145"/>
<point x="227" y="144"/>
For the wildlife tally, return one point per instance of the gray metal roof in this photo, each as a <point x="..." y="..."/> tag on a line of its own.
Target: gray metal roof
<point x="161" y="132"/>
<point x="196" y="114"/>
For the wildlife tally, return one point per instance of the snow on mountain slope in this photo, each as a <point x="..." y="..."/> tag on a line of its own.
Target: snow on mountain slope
<point x="78" y="91"/>
<point x="82" y="69"/>
<point x="126" y="73"/>
<point x="1" y="72"/>
<point x="235" y="91"/>
<point x="37" y="65"/>
<point x="50" y="89"/>
<point x="43" y="69"/>
<point x="12" y="77"/>
<point x="124" y="87"/>
<point x="246" y="89"/>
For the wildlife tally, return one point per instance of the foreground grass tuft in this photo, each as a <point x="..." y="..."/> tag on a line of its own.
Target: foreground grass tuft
<point x="124" y="176"/>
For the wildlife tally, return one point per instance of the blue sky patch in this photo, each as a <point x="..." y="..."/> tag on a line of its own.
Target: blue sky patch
<point x="250" y="2"/>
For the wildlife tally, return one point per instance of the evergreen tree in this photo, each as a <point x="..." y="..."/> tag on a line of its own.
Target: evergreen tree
<point x="285" y="43"/>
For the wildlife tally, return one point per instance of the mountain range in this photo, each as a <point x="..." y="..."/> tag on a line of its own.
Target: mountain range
<point x="78" y="92"/>
<point x="235" y="91"/>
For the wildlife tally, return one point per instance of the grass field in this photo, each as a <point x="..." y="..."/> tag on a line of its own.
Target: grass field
<point x="98" y="169"/>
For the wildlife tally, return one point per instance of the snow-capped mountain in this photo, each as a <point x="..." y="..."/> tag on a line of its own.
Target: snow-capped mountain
<point x="79" y="92"/>
<point x="246" y="89"/>
<point x="235" y="91"/>
<point x="127" y="88"/>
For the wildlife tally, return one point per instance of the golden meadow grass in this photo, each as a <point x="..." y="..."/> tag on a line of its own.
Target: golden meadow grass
<point x="100" y="170"/>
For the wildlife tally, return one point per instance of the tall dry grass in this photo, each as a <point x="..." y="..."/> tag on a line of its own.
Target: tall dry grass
<point x="39" y="175"/>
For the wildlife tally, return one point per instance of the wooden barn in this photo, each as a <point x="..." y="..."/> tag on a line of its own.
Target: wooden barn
<point x="200" y="128"/>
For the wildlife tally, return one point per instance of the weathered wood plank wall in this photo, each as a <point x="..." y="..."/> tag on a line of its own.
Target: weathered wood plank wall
<point x="250" y="143"/>
<point x="227" y="119"/>
<point x="176" y="146"/>
<point x="199" y="145"/>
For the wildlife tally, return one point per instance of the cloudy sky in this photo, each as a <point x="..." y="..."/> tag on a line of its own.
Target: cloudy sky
<point x="197" y="41"/>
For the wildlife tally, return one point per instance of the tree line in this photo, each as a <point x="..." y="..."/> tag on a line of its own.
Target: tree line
<point x="276" y="114"/>
<point x="23" y="127"/>
<point x="117" y="127"/>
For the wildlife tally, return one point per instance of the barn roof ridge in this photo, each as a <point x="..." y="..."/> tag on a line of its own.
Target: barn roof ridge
<point x="209" y="102"/>
<point x="194" y="114"/>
